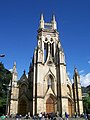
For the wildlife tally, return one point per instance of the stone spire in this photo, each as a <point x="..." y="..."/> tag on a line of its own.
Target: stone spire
<point x="14" y="68"/>
<point x="54" y="24"/>
<point x="76" y="71"/>
<point x="14" y="72"/>
<point x="53" y="18"/>
<point x="77" y="92"/>
<point x="76" y="76"/>
<point x="13" y="103"/>
<point x="41" y="17"/>
<point x="41" y="21"/>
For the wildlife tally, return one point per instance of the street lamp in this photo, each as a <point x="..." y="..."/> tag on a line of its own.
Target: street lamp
<point x="8" y="87"/>
<point x="2" y="55"/>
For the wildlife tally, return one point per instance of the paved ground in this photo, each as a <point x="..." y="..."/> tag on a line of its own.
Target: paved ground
<point x="37" y="119"/>
<point x="76" y="119"/>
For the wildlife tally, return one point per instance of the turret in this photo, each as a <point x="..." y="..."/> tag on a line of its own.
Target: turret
<point x="77" y="92"/>
<point x="14" y="73"/>
<point x="54" y="24"/>
<point x="41" y="21"/>
<point x="76" y="76"/>
<point x="13" y="92"/>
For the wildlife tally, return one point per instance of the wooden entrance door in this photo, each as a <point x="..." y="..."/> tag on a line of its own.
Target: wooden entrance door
<point x="69" y="108"/>
<point x="22" y="108"/>
<point x="50" y="105"/>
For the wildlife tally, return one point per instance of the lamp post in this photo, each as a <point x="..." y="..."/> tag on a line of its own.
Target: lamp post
<point x="2" y="55"/>
<point x="8" y="87"/>
<point x="8" y="100"/>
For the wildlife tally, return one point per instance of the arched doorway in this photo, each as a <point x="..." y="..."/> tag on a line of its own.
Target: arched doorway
<point x="50" y="107"/>
<point x="22" y="107"/>
<point x="70" y="107"/>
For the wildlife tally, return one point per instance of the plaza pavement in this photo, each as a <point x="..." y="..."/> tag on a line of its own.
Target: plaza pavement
<point x="38" y="119"/>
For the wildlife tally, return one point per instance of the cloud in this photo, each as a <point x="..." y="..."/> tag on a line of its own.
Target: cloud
<point x="89" y="62"/>
<point x="85" y="79"/>
<point x="10" y="70"/>
<point x="27" y="75"/>
<point x="82" y="71"/>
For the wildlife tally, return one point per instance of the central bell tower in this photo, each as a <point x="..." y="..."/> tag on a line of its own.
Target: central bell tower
<point x="49" y="82"/>
<point x="47" y="39"/>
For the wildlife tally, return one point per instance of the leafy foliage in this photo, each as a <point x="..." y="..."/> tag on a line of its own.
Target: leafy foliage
<point x="5" y="77"/>
<point x="86" y="104"/>
<point x="86" y="99"/>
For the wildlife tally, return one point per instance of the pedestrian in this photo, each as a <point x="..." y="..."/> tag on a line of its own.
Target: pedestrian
<point x="75" y="114"/>
<point x="86" y="118"/>
<point x="17" y="116"/>
<point x="26" y="116"/>
<point x="40" y="115"/>
<point x="66" y="116"/>
<point x="20" y="116"/>
<point x="3" y="117"/>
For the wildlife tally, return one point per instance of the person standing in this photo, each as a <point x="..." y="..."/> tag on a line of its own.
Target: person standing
<point x="3" y="117"/>
<point x="66" y="116"/>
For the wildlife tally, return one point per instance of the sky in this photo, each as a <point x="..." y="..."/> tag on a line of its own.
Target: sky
<point x="19" y="22"/>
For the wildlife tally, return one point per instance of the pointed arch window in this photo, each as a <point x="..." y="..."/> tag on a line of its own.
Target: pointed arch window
<point x="45" y="51"/>
<point x="49" y="83"/>
<point x="23" y="88"/>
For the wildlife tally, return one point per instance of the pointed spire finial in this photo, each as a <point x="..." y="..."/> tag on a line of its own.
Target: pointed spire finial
<point x="24" y="72"/>
<point x="14" y="73"/>
<point x="75" y="70"/>
<point x="14" y="67"/>
<point x="53" y="21"/>
<point x="53" y="17"/>
<point x="41" y="21"/>
<point x="14" y="63"/>
<point x="41" y="17"/>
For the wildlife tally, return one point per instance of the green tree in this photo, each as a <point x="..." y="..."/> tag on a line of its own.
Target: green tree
<point x="86" y="104"/>
<point x="5" y="77"/>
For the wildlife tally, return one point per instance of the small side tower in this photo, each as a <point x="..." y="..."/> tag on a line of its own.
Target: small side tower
<point x="41" y="21"/>
<point x="77" y="93"/>
<point x="14" y="91"/>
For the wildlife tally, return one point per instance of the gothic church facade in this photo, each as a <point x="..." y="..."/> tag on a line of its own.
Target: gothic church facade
<point x="48" y="87"/>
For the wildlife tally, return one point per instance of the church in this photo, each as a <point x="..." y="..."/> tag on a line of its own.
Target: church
<point x="48" y="87"/>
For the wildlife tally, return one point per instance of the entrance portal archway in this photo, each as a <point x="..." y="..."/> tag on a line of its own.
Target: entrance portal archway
<point x="50" y="106"/>
<point x="22" y="107"/>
